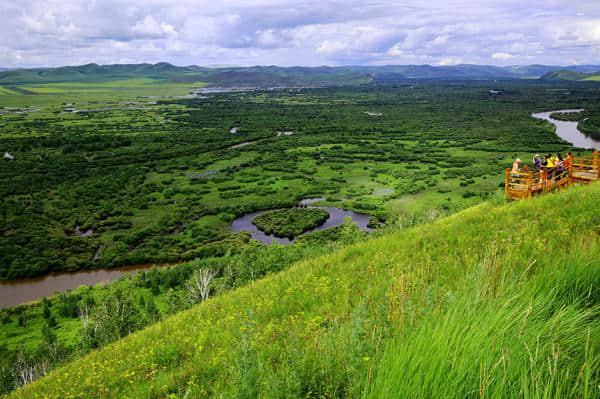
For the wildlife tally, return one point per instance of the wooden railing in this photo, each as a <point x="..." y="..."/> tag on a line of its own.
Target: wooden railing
<point x="525" y="183"/>
<point x="586" y="169"/>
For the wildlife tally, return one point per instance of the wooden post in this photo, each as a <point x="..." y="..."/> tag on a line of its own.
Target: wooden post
<point x="570" y="175"/>
<point x="544" y="180"/>
<point x="597" y="163"/>
<point x="506" y="182"/>
<point x="530" y="185"/>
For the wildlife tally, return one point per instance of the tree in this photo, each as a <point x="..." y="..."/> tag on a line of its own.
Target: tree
<point x="4" y="317"/>
<point x="113" y="318"/>
<point x="198" y="286"/>
<point x="151" y="310"/>
<point x="22" y="320"/>
<point x="46" y="312"/>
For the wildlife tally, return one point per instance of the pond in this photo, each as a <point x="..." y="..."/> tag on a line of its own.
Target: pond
<point x="336" y="218"/>
<point x="14" y="292"/>
<point x="568" y="130"/>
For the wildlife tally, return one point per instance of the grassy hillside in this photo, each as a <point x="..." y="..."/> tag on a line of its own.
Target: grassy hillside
<point x="274" y="76"/>
<point x="94" y="73"/>
<point x="258" y="76"/>
<point x="571" y="75"/>
<point x="495" y="301"/>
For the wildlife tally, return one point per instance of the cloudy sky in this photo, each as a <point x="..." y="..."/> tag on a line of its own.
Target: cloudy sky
<point x="299" y="32"/>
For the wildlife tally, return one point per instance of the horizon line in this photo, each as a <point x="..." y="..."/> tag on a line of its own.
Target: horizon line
<point x="225" y="66"/>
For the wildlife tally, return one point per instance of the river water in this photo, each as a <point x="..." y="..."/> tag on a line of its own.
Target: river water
<point x="336" y="218"/>
<point x="568" y="130"/>
<point x="14" y="292"/>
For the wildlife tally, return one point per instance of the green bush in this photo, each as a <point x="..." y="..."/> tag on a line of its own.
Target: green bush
<point x="290" y="222"/>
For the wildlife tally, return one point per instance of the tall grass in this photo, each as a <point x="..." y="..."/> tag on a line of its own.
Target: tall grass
<point x="538" y="338"/>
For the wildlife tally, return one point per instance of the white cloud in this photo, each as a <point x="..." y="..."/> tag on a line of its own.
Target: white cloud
<point x="305" y="32"/>
<point x="395" y="50"/>
<point x="440" y="40"/>
<point x="502" y="56"/>
<point x="150" y="27"/>
<point x="450" y="61"/>
<point x="332" y="47"/>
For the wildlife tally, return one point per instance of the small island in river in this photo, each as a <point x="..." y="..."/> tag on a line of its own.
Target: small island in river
<point x="290" y="222"/>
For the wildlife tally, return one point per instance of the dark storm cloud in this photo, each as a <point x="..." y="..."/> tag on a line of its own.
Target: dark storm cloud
<point x="288" y="32"/>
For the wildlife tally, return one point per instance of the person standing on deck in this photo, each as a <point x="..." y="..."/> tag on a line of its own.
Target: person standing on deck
<point x="569" y="160"/>
<point x="537" y="162"/>
<point x="560" y="164"/>
<point x="549" y="166"/>
<point x="516" y="167"/>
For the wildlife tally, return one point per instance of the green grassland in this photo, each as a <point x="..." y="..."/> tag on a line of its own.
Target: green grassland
<point x="6" y="91"/>
<point x="153" y="177"/>
<point x="158" y="179"/>
<point x="494" y="301"/>
<point x="45" y="334"/>
<point x="140" y="84"/>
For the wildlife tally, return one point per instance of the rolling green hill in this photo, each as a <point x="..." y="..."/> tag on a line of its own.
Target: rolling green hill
<point x="94" y="73"/>
<point x="274" y="76"/>
<point x="570" y="75"/>
<point x="495" y="301"/>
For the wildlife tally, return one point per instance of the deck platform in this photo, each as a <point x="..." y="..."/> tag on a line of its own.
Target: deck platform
<point x="525" y="184"/>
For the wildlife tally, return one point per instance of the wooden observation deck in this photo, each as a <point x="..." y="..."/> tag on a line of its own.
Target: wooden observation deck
<point x="525" y="184"/>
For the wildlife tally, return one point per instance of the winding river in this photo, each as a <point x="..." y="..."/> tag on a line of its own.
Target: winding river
<point x="568" y="130"/>
<point x="15" y="292"/>
<point x="336" y="218"/>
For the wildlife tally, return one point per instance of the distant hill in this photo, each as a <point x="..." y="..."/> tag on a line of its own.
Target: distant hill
<point x="464" y="71"/>
<point x="536" y="70"/>
<point x="96" y="73"/>
<point x="274" y="76"/>
<point x="566" y="74"/>
<point x="533" y="71"/>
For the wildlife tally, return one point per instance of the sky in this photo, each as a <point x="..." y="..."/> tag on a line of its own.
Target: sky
<point x="37" y="33"/>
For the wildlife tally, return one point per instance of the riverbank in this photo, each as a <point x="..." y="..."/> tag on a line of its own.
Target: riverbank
<point x="21" y="291"/>
<point x="568" y="130"/>
<point x="336" y="218"/>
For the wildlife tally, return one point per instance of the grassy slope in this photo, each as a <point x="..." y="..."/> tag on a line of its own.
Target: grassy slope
<point x="570" y="75"/>
<point x="323" y="327"/>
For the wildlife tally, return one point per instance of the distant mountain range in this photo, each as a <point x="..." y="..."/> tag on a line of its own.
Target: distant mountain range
<point x="274" y="76"/>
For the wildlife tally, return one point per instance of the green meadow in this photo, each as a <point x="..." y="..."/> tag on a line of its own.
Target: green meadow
<point x="494" y="301"/>
<point x="141" y="171"/>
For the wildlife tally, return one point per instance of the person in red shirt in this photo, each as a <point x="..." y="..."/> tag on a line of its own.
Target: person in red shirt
<point x="569" y="160"/>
